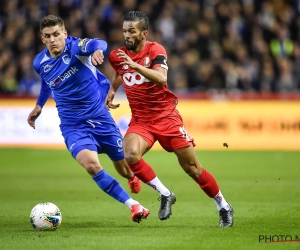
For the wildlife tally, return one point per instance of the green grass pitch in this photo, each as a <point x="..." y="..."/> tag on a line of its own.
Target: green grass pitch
<point x="262" y="186"/>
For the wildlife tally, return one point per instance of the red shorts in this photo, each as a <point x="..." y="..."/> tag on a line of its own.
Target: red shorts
<point x="168" y="131"/>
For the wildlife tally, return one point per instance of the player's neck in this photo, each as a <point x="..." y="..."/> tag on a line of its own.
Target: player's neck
<point x="55" y="55"/>
<point x="139" y="48"/>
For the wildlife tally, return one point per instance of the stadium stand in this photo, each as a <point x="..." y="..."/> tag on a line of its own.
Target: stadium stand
<point x="245" y="48"/>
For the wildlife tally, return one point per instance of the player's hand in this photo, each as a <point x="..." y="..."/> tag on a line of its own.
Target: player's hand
<point x="127" y="60"/>
<point x="109" y="98"/>
<point x="97" y="57"/>
<point x="35" y="113"/>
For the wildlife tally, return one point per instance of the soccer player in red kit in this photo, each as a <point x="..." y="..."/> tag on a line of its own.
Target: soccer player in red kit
<point x="141" y="66"/>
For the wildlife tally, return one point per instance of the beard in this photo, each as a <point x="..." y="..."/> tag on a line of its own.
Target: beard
<point x="133" y="45"/>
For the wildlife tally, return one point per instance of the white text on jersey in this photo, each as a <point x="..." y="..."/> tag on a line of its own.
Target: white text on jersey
<point x="63" y="77"/>
<point x="134" y="78"/>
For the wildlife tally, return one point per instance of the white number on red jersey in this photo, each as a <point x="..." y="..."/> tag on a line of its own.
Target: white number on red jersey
<point x="184" y="133"/>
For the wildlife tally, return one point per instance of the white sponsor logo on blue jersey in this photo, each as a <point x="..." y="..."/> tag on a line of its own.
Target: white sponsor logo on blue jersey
<point x="63" y="77"/>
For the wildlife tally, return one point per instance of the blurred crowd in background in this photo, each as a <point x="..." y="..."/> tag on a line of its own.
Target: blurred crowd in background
<point x="212" y="45"/>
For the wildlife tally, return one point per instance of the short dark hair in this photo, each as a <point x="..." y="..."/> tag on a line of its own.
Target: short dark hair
<point x="138" y="16"/>
<point x="50" y="21"/>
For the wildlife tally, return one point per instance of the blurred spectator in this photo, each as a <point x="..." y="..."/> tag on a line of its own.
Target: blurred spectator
<point x="248" y="68"/>
<point x="29" y="83"/>
<point x="9" y="83"/>
<point x="177" y="79"/>
<point x="231" y="76"/>
<point x="218" y="78"/>
<point x="296" y="65"/>
<point x="267" y="80"/>
<point x="166" y="26"/>
<point x="286" y="81"/>
<point x="204" y="75"/>
<point x="213" y="45"/>
<point x="191" y="60"/>
<point x="282" y="45"/>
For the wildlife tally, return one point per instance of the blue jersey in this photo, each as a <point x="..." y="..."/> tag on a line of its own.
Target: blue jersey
<point x="78" y="88"/>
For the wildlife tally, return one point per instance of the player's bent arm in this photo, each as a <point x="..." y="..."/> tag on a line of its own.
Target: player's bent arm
<point x="116" y="81"/>
<point x="115" y="84"/>
<point x="88" y="46"/>
<point x="157" y="75"/>
<point x="97" y="44"/>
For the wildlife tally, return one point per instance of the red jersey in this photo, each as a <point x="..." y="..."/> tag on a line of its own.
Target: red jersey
<point x="147" y="100"/>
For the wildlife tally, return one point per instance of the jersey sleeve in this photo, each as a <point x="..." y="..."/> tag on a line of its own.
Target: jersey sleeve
<point x="159" y="56"/>
<point x="45" y="91"/>
<point x="87" y="46"/>
<point x="44" y="95"/>
<point x="36" y="65"/>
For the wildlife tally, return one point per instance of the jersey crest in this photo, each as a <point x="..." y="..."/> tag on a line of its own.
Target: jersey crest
<point x="147" y="62"/>
<point x="66" y="59"/>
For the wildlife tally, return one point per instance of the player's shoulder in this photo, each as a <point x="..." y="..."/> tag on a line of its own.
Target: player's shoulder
<point x="156" y="49"/>
<point x="40" y="58"/>
<point x="40" y="55"/>
<point x="155" y="45"/>
<point x="72" y="40"/>
<point x="113" y="53"/>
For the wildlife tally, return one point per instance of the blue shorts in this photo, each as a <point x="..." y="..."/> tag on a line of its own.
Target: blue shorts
<point x="101" y="135"/>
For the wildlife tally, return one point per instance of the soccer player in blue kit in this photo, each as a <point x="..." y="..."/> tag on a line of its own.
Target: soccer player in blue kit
<point x="67" y="70"/>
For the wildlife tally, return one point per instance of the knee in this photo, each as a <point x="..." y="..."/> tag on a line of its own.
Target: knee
<point x="92" y="168"/>
<point x="123" y="169"/>
<point x="190" y="170"/>
<point x="132" y="157"/>
<point x="193" y="170"/>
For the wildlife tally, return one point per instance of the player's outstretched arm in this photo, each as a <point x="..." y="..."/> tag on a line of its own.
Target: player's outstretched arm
<point x="34" y="114"/>
<point x="90" y="47"/>
<point x="115" y="84"/>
